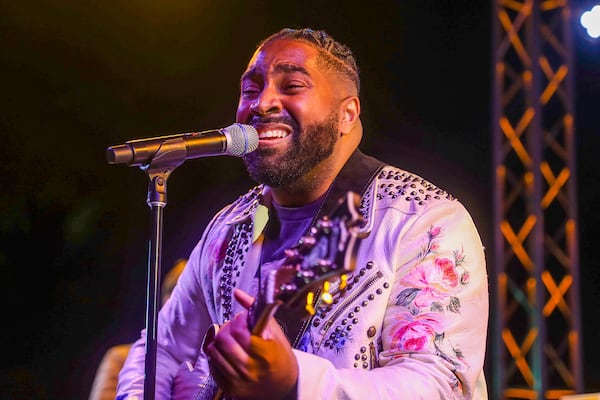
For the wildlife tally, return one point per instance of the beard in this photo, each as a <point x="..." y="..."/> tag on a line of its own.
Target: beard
<point x="308" y="149"/>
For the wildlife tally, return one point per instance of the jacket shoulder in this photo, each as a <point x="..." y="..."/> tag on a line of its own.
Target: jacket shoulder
<point x="397" y="186"/>
<point x="242" y="207"/>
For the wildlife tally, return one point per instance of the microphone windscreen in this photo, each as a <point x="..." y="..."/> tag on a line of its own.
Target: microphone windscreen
<point x="242" y="139"/>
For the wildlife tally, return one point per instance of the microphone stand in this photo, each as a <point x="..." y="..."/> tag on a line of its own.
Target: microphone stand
<point x="171" y="154"/>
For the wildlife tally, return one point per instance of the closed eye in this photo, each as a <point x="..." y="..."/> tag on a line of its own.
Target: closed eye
<point x="293" y="86"/>
<point x="250" y="90"/>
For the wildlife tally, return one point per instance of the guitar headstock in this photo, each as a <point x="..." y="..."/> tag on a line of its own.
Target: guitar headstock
<point x="328" y="251"/>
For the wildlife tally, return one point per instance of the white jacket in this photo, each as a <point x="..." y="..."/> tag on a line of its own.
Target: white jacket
<point x="412" y="323"/>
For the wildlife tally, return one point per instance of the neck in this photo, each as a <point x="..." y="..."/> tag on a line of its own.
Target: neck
<point x="305" y="190"/>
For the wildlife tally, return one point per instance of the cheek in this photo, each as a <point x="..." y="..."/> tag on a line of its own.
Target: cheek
<point x="243" y="112"/>
<point x="302" y="112"/>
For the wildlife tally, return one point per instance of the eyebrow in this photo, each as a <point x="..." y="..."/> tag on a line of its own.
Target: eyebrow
<point x="283" y="67"/>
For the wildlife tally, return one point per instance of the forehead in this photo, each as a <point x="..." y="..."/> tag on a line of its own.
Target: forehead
<point x="272" y="56"/>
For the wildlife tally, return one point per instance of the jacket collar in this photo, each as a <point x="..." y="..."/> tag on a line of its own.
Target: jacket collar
<point x="355" y="176"/>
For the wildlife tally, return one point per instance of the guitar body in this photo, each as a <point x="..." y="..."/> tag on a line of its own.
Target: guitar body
<point x="327" y="252"/>
<point x="210" y="391"/>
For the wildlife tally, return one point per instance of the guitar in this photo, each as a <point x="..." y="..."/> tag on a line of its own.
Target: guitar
<point x="327" y="251"/>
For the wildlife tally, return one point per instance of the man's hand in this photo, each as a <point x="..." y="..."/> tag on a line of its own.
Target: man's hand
<point x="252" y="367"/>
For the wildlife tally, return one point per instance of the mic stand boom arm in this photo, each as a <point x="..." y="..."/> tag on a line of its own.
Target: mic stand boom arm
<point x="171" y="154"/>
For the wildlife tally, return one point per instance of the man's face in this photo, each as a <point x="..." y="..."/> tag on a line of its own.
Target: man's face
<point x="293" y="106"/>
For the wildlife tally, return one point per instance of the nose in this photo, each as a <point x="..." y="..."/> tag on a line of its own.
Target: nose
<point x="268" y="102"/>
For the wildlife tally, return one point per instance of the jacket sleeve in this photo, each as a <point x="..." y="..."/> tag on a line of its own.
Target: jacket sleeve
<point x="435" y="323"/>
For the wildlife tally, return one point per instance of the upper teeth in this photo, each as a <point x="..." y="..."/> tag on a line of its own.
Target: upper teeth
<point x="279" y="133"/>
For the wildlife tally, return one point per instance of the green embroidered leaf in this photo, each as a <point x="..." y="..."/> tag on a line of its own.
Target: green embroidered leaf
<point x="407" y="296"/>
<point x="454" y="304"/>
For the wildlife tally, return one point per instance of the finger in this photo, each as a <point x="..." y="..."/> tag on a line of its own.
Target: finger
<point x="243" y="298"/>
<point x="238" y="330"/>
<point x="229" y="347"/>
<point x="272" y="330"/>
<point x="272" y="338"/>
<point x="225" y="364"/>
<point x="223" y="373"/>
<point x="228" y="342"/>
<point x="209" y="336"/>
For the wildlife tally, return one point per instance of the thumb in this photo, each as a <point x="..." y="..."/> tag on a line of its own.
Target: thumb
<point x="243" y="298"/>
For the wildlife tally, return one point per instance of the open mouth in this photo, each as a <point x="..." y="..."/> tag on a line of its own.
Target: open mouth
<point x="272" y="134"/>
<point x="272" y="131"/>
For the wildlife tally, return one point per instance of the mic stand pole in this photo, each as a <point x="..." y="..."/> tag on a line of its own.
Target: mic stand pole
<point x="169" y="156"/>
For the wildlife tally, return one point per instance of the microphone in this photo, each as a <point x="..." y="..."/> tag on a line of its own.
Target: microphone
<point x="234" y="140"/>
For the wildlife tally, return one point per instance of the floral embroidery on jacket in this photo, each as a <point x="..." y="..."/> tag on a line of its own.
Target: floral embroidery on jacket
<point x="433" y="286"/>
<point x="417" y="331"/>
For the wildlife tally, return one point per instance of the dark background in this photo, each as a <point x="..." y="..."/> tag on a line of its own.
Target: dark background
<point x="78" y="76"/>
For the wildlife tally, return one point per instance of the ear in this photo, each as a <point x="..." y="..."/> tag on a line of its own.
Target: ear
<point x="349" y="114"/>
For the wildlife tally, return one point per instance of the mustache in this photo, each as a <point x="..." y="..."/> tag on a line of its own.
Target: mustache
<point x="255" y="120"/>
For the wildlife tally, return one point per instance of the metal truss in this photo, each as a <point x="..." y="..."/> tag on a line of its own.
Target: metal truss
<point x="536" y="349"/>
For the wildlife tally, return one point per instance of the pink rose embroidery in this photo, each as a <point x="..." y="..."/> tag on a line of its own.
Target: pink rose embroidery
<point x="431" y="289"/>
<point x="434" y="231"/>
<point x="447" y="268"/>
<point x="416" y="333"/>
<point x="464" y="279"/>
<point x="436" y="279"/>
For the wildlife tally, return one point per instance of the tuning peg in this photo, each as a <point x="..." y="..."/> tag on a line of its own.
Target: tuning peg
<point x="344" y="281"/>
<point x="326" y="296"/>
<point x="310" y="296"/>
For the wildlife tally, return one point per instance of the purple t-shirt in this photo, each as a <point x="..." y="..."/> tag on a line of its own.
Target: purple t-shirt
<point x="286" y="228"/>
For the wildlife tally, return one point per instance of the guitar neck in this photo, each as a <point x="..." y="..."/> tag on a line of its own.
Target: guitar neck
<point x="258" y="316"/>
<point x="326" y="252"/>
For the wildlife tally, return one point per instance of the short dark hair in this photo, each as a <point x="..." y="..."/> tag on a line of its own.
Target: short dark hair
<point x="334" y="54"/>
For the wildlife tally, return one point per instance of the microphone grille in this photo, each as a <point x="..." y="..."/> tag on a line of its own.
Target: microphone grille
<point x="242" y="139"/>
